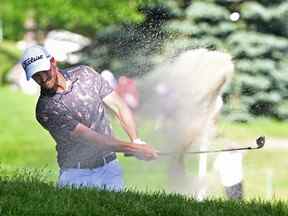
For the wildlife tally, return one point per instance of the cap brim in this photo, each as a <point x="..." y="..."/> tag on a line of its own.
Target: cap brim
<point x="43" y="65"/>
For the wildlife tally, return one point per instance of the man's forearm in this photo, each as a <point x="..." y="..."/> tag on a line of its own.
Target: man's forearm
<point x="127" y="121"/>
<point x="104" y="142"/>
<point x="123" y="113"/>
<point x="107" y="143"/>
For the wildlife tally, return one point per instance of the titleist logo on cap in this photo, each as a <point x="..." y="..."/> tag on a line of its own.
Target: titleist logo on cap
<point x="30" y="60"/>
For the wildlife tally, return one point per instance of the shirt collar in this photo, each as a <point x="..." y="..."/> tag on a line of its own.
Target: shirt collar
<point x="67" y="76"/>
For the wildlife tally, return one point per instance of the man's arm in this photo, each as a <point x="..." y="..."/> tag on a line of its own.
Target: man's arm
<point x="115" y="103"/>
<point x="123" y="113"/>
<point x="55" y="117"/>
<point x="142" y="152"/>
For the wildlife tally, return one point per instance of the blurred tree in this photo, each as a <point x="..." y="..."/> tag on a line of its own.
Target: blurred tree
<point x="255" y="33"/>
<point x="81" y="16"/>
<point x="129" y="49"/>
<point x="263" y="43"/>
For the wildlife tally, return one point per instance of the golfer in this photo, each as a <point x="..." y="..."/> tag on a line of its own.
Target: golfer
<point x="71" y="107"/>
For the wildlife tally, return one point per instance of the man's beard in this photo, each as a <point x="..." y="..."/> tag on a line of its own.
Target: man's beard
<point x="53" y="88"/>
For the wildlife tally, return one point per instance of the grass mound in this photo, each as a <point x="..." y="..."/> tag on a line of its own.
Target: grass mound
<point x="28" y="193"/>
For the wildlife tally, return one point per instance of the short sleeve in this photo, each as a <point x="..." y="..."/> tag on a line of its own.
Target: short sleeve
<point x="54" y="117"/>
<point x="101" y="86"/>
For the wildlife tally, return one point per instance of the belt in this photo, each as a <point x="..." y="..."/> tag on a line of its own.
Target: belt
<point x="96" y="163"/>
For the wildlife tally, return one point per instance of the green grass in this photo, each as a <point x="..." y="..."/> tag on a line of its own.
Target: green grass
<point x="241" y="131"/>
<point x="28" y="194"/>
<point x="24" y="144"/>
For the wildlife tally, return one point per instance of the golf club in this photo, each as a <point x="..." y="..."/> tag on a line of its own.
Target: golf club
<point x="260" y="141"/>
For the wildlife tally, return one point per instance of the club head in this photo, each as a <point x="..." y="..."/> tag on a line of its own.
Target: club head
<point x="260" y="141"/>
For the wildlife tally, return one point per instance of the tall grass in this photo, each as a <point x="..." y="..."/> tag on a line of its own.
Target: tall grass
<point x="27" y="194"/>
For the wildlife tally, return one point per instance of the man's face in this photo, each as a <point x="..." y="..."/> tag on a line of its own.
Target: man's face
<point x="47" y="79"/>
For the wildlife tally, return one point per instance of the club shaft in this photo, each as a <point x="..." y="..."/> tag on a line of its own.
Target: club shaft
<point x="208" y="151"/>
<point x="260" y="141"/>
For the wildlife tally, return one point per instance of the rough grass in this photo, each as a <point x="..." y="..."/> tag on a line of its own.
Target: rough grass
<point x="27" y="194"/>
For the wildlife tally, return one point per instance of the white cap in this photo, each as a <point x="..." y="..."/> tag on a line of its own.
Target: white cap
<point x="34" y="60"/>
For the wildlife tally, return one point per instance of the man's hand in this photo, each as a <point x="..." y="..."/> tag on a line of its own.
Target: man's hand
<point x="136" y="141"/>
<point x="108" y="143"/>
<point x="144" y="152"/>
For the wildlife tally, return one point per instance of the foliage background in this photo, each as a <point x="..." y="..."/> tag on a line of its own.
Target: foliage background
<point x="257" y="41"/>
<point x="130" y="37"/>
<point x="81" y="16"/>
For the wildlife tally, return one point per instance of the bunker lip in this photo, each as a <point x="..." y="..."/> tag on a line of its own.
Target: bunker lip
<point x="260" y="141"/>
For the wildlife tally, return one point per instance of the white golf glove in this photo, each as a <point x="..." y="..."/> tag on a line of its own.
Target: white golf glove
<point x="138" y="141"/>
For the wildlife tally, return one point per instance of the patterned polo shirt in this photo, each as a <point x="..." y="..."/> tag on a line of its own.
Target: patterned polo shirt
<point x="60" y="113"/>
